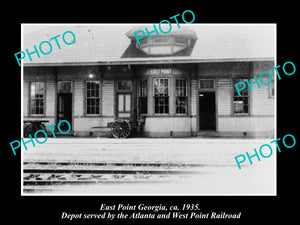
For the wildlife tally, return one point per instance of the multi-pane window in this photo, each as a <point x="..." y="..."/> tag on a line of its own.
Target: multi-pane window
<point x="92" y="97"/>
<point x="181" y="41"/>
<point x="181" y="96"/>
<point x="37" y="94"/>
<point x="143" y="97"/>
<point x="143" y="41"/>
<point x="161" y="96"/>
<point x="240" y="103"/>
<point x="161" y="40"/>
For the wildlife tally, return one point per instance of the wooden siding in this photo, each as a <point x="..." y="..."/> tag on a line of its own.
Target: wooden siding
<point x="246" y="124"/>
<point x="108" y="99"/>
<point x="224" y="69"/>
<point x="168" y="126"/>
<point x="261" y="102"/>
<point x="224" y="96"/>
<point x="25" y="98"/>
<point x="194" y="97"/>
<point x="261" y="116"/>
<point x="78" y="96"/>
<point x="50" y="98"/>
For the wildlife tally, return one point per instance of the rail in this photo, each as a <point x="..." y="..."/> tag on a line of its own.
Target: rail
<point x="52" y="176"/>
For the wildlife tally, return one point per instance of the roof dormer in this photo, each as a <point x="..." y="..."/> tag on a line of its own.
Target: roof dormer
<point x="164" y="44"/>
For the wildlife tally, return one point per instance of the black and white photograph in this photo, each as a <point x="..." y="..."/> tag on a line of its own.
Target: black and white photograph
<point x="146" y="113"/>
<point x="145" y="109"/>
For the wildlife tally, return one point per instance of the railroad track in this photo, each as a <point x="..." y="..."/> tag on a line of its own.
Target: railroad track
<point x="49" y="176"/>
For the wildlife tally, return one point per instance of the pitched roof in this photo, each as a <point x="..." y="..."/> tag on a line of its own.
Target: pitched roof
<point x="182" y="31"/>
<point x="110" y="44"/>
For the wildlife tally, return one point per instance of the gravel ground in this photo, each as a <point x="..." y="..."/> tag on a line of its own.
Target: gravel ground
<point x="219" y="172"/>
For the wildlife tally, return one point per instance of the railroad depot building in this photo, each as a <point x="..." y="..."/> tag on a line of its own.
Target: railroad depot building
<point x="179" y="84"/>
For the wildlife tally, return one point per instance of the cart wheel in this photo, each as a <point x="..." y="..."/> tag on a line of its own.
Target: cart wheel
<point x="30" y="129"/>
<point x="41" y="127"/>
<point x="121" y="129"/>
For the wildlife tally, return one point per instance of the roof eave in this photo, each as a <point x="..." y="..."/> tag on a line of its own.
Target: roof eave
<point x="149" y="61"/>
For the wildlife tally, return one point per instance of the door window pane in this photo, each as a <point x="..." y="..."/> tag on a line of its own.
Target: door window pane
<point x="124" y="102"/>
<point x="121" y="103"/>
<point x="127" y="102"/>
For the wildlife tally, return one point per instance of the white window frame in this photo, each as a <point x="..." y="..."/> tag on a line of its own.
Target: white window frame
<point x="31" y="99"/>
<point x="168" y="95"/>
<point x="86" y="98"/>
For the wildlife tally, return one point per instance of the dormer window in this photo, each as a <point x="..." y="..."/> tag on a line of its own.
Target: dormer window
<point x="164" y="44"/>
<point x="167" y="45"/>
<point x="159" y="40"/>
<point x="156" y="40"/>
<point x="144" y="41"/>
<point x="181" y="41"/>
